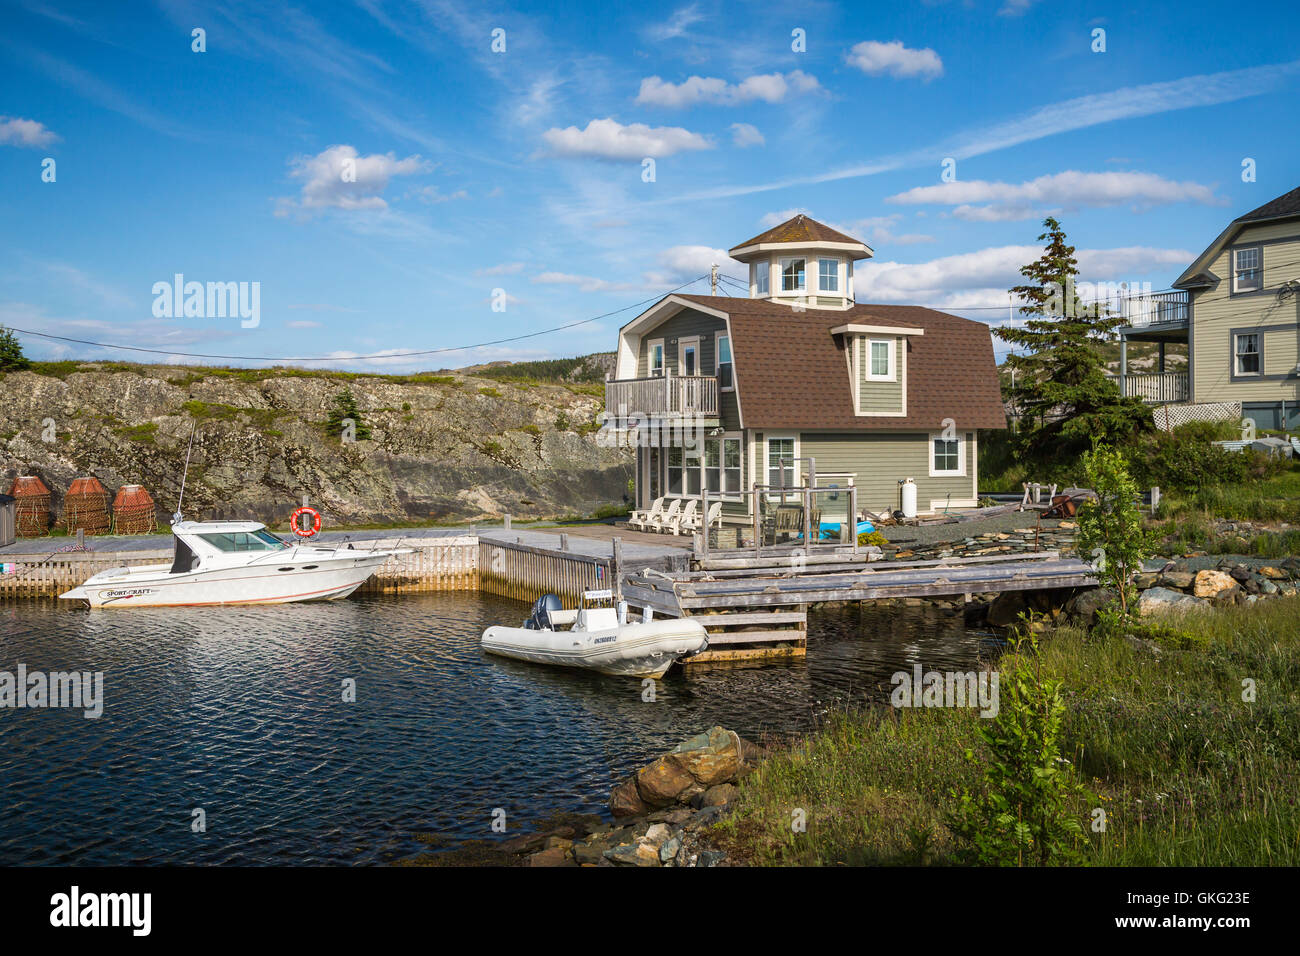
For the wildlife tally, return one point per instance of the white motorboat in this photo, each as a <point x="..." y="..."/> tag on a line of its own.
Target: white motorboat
<point x="597" y="636"/>
<point x="234" y="562"/>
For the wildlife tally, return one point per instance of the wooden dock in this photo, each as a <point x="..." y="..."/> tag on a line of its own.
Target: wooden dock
<point x="762" y="611"/>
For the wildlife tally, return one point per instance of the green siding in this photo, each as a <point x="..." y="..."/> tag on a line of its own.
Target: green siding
<point x="684" y="324"/>
<point x="880" y="460"/>
<point x="880" y="396"/>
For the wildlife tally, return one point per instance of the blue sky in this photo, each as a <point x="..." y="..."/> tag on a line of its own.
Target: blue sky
<point x="522" y="170"/>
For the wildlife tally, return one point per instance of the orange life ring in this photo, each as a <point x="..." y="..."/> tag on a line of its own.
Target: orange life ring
<point x="297" y="528"/>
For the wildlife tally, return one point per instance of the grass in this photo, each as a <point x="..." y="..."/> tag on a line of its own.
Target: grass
<point x="1274" y="498"/>
<point x="1188" y="773"/>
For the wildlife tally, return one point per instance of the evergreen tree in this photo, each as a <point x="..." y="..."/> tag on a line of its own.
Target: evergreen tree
<point x="345" y="407"/>
<point x="1065" y="397"/>
<point x="11" y="352"/>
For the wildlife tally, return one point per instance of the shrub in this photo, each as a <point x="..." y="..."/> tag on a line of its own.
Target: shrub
<point x="866" y="538"/>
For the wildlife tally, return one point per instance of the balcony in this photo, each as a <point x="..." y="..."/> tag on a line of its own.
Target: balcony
<point x="1161" y="308"/>
<point x="682" y="397"/>
<point x="1155" y="388"/>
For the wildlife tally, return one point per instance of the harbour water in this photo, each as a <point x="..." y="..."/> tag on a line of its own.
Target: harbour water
<point x="240" y="713"/>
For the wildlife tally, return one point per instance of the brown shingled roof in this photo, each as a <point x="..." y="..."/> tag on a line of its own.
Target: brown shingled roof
<point x="799" y="229"/>
<point x="791" y="371"/>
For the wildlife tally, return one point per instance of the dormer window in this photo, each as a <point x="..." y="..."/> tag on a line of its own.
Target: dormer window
<point x="880" y="360"/>
<point x="792" y="275"/>
<point x="762" y="277"/>
<point x="828" y="275"/>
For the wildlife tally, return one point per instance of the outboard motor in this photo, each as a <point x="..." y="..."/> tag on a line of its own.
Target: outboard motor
<point x="540" y="619"/>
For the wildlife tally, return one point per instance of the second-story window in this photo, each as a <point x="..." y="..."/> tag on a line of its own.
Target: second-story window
<point x="762" y="277"/>
<point x="880" y="360"/>
<point x="1247" y="270"/>
<point x="657" y="359"/>
<point x="724" y="361"/>
<point x="828" y="275"/>
<point x="792" y="275"/>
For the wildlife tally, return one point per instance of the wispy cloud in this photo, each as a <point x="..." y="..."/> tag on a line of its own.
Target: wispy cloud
<point x="745" y="135"/>
<point x="676" y="25"/>
<point x="1066" y="116"/>
<point x="1010" y="201"/>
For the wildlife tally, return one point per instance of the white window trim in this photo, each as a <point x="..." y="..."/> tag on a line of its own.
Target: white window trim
<point x="1258" y="353"/>
<point x="839" y="279"/>
<point x="717" y="359"/>
<point x="961" y="456"/>
<point x="722" y="466"/>
<point x="682" y="344"/>
<point x="1259" y="251"/>
<point x="892" y="348"/>
<point x="768" y="438"/>
<point x="760" y="269"/>
<point x="650" y="358"/>
<point x="780" y="274"/>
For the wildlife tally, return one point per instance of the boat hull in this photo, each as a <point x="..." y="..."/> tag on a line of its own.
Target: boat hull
<point x="632" y="650"/>
<point x="154" y="586"/>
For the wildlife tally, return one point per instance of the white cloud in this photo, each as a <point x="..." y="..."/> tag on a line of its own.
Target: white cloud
<point x="982" y="278"/>
<point x="302" y="324"/>
<point x="745" y="135"/>
<point x="1015" y="8"/>
<point x="1010" y="201"/>
<point x="583" y="283"/>
<point x="609" y="139"/>
<point x="766" y="87"/>
<point x="25" y="132"/>
<point x="874" y="230"/>
<point x="895" y="60"/>
<point x="679" y="264"/>
<point x="339" y="177"/>
<point x="433" y="195"/>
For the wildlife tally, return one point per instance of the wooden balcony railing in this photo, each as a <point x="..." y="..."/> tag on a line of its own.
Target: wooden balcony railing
<point x="676" y="396"/>
<point x="1157" y="388"/>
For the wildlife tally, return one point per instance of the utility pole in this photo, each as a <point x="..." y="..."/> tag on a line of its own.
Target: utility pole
<point x="713" y="279"/>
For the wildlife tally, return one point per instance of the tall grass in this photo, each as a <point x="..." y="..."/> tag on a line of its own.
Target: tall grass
<point x="1187" y="771"/>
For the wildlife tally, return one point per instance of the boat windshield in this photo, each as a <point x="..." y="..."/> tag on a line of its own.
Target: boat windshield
<point x="244" y="541"/>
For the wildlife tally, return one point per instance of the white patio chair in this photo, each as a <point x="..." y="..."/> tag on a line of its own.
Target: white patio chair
<point x="639" y="519"/>
<point x="685" y="519"/>
<point x="658" y="522"/>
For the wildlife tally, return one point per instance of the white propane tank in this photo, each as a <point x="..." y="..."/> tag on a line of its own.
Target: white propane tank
<point x="909" y="498"/>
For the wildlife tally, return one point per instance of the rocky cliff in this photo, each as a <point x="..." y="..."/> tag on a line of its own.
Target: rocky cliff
<point x="440" y="448"/>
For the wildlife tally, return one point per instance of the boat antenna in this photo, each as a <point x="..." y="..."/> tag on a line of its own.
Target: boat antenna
<point x="178" y="517"/>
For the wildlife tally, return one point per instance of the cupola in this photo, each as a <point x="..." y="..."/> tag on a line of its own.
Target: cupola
<point x="802" y="262"/>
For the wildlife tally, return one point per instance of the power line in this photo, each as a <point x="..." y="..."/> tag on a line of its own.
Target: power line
<point x="359" y="358"/>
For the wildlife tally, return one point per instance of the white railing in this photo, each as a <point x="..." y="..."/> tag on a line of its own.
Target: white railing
<point x="1154" y="309"/>
<point x="670" y="396"/>
<point x="1157" y="388"/>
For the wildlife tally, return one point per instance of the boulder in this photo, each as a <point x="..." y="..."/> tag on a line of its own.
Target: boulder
<point x="1213" y="584"/>
<point x="625" y="800"/>
<point x="710" y="758"/>
<point x="1086" y="604"/>
<point x="719" y="796"/>
<point x="1158" y="600"/>
<point x="661" y="782"/>
<point x="590" y="853"/>
<point x="554" y="856"/>
<point x="1178" y="580"/>
<point x="1274" y="574"/>
<point x="669" y="849"/>
<point x="1006" y="609"/>
<point x="1145" y="579"/>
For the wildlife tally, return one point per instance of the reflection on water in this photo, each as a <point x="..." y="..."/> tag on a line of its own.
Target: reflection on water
<point x="240" y="712"/>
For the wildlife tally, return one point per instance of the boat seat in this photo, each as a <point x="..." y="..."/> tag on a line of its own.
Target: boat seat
<point x="562" y="618"/>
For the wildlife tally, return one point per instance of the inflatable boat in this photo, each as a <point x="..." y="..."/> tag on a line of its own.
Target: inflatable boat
<point x="597" y="636"/>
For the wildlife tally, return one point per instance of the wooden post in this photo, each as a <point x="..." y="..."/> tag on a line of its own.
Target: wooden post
<point x="758" y="522"/>
<point x="564" y="542"/>
<point x="507" y="520"/>
<point x="853" y="518"/>
<point x="701" y="547"/>
<point x="807" y="520"/>
<point x="1155" y="498"/>
<point x="616" y="569"/>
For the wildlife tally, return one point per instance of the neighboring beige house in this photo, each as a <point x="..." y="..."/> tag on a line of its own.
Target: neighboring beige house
<point x="800" y="380"/>
<point x="1237" y="309"/>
